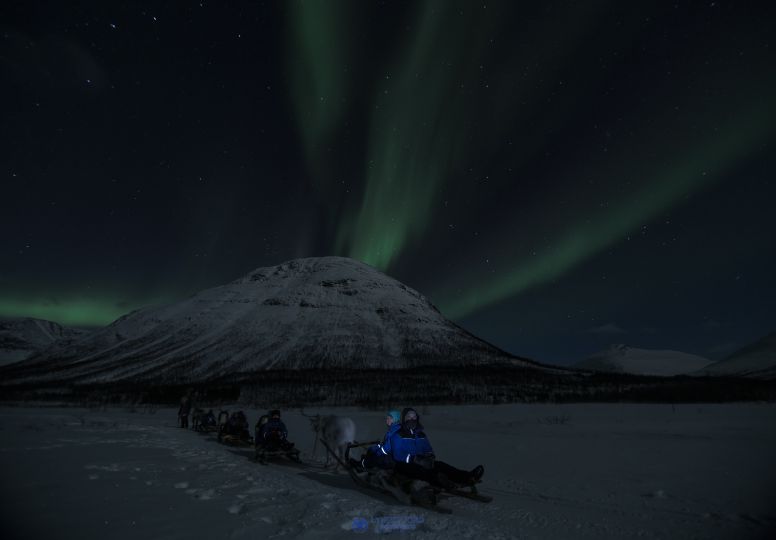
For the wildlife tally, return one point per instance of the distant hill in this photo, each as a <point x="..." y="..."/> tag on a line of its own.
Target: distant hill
<point x="624" y="359"/>
<point x="755" y="360"/>
<point x="22" y="338"/>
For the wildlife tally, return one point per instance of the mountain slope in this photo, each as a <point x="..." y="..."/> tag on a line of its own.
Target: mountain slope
<point x="22" y="338"/>
<point x="755" y="360"/>
<point x="623" y="359"/>
<point x="328" y="312"/>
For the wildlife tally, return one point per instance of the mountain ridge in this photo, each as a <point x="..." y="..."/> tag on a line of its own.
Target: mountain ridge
<point x="312" y="313"/>
<point x="620" y="358"/>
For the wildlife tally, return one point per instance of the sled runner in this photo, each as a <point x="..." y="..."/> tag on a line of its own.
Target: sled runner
<point x="269" y="451"/>
<point x="234" y="440"/>
<point x="406" y="490"/>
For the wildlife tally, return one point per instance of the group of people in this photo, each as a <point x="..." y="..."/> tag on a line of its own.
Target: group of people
<point x="405" y="448"/>
<point x="202" y="420"/>
<point x="270" y="431"/>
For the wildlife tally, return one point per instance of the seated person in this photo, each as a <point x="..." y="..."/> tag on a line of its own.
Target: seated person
<point x="263" y="419"/>
<point x="237" y="426"/>
<point x="379" y="455"/>
<point x="414" y="456"/>
<point x="209" y="420"/>
<point x="274" y="434"/>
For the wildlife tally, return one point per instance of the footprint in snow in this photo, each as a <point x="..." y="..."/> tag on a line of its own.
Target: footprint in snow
<point x="201" y="494"/>
<point x="181" y="485"/>
<point x="236" y="509"/>
<point x="206" y="495"/>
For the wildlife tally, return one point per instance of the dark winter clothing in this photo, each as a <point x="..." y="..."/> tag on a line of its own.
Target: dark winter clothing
<point x="183" y="412"/>
<point x="273" y="435"/>
<point x="414" y="456"/>
<point x="237" y="426"/>
<point x="432" y="475"/>
<point x="185" y="407"/>
<point x="409" y="440"/>
<point x="273" y="429"/>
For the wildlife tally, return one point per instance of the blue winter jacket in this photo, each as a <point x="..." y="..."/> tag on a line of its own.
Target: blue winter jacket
<point x="384" y="448"/>
<point x="407" y="443"/>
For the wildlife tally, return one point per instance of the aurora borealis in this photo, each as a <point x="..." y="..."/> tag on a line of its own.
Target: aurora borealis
<point x="554" y="176"/>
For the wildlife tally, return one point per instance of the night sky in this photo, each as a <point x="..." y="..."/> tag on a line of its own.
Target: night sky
<point x="554" y="176"/>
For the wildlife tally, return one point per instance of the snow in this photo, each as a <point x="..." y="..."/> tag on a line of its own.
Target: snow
<point x="624" y="359"/>
<point x="307" y="313"/>
<point x="21" y="338"/>
<point x="592" y="471"/>
<point x="757" y="360"/>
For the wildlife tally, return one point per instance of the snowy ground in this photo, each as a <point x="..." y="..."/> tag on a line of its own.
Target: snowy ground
<point x="556" y="471"/>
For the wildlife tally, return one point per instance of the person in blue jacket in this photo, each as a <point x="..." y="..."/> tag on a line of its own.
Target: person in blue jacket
<point x="414" y="457"/>
<point x="379" y="455"/>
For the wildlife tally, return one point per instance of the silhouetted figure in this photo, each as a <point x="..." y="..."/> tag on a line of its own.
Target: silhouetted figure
<point x="183" y="412"/>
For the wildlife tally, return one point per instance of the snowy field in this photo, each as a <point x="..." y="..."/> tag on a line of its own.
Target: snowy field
<point x="597" y="471"/>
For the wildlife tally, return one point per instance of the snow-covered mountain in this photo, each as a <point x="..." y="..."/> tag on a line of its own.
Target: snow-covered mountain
<point x="623" y="359"/>
<point x="755" y="360"/>
<point x="21" y="338"/>
<point x="329" y="312"/>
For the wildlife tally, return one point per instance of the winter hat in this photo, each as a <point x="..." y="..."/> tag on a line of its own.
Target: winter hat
<point x="396" y="415"/>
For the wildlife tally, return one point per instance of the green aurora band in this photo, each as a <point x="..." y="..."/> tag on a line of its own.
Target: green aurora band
<point x="706" y="165"/>
<point x="70" y="312"/>
<point x="418" y="131"/>
<point x="415" y="134"/>
<point x="318" y="63"/>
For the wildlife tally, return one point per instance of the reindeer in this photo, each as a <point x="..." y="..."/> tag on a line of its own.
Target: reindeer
<point x="336" y="431"/>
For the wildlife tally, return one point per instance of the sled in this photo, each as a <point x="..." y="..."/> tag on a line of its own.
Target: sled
<point x="406" y="490"/>
<point x="234" y="440"/>
<point x="263" y="454"/>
